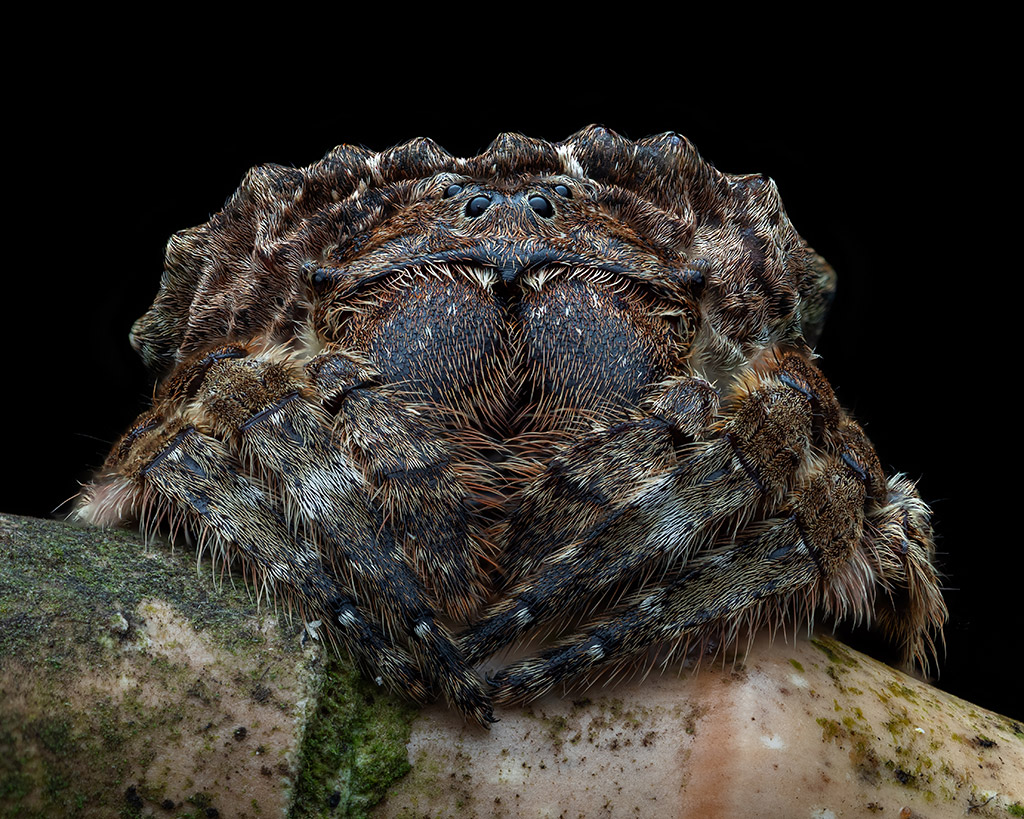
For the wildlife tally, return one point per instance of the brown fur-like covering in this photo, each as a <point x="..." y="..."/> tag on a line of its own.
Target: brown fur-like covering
<point x="550" y="381"/>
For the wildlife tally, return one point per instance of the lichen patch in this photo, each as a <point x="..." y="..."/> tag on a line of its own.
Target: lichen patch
<point x="142" y="691"/>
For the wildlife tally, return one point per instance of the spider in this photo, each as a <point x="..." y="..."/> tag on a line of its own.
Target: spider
<point x="442" y="404"/>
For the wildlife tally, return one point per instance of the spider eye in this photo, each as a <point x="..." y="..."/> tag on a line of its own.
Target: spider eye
<point x="452" y="190"/>
<point x="694" y="277"/>
<point x="541" y="206"/>
<point x="318" y="277"/>
<point x="564" y="191"/>
<point x="477" y="205"/>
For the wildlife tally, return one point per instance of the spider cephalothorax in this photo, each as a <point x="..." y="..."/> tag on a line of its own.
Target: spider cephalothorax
<point x="552" y="380"/>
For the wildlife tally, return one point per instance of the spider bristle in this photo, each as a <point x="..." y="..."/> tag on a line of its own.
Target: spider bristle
<point x="109" y="501"/>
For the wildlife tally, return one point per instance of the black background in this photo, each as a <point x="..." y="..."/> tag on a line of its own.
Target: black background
<point x="893" y="179"/>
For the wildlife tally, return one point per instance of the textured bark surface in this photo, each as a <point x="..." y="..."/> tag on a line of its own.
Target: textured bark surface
<point x="809" y="729"/>
<point x="130" y="687"/>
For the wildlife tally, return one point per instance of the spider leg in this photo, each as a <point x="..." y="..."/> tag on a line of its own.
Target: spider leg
<point x="193" y="477"/>
<point x="912" y="610"/>
<point x="747" y="461"/>
<point x="780" y="447"/>
<point x="828" y="549"/>
<point x="303" y="518"/>
<point x="416" y="482"/>
<point x="588" y="481"/>
<point x="710" y="588"/>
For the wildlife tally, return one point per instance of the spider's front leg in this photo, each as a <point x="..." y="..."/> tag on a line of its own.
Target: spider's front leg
<point x="778" y="508"/>
<point x="241" y="446"/>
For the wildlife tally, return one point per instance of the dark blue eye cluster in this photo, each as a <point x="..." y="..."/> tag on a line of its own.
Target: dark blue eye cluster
<point x="537" y="202"/>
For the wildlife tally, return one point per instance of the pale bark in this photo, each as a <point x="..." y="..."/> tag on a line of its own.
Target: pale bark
<point x="130" y="686"/>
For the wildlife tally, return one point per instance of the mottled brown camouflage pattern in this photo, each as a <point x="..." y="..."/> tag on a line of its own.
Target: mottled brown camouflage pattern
<point x="550" y="381"/>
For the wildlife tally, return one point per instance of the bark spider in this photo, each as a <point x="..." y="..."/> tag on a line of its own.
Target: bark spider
<point x="549" y="384"/>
